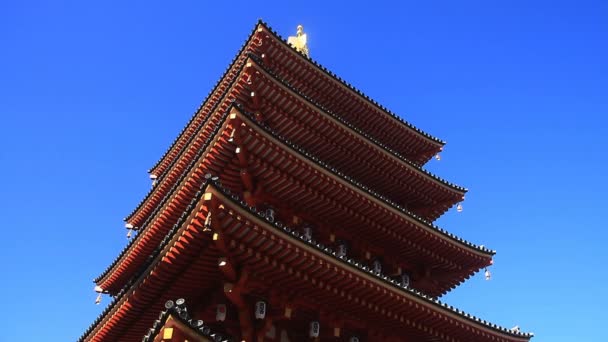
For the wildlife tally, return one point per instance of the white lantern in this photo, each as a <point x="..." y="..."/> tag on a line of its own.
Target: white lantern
<point x="315" y="328"/>
<point x="377" y="266"/>
<point x="220" y="313"/>
<point x="260" y="310"/>
<point x="342" y="249"/>
<point x="405" y="279"/>
<point x="270" y="214"/>
<point x="308" y="233"/>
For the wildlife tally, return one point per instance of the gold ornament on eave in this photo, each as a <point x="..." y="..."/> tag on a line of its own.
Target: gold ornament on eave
<point x="299" y="41"/>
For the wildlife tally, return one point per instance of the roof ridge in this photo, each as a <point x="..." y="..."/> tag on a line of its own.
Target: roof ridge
<point x="353" y="127"/>
<point x="198" y="129"/>
<point x="352" y="88"/>
<point x="178" y="310"/>
<point x="232" y="63"/>
<point x="163" y="201"/>
<point x="325" y="250"/>
<point x="361" y="186"/>
<point x="328" y="251"/>
<point x="303" y="153"/>
<point x="151" y="257"/>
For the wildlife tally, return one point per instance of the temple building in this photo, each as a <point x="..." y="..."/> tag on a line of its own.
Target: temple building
<point x="292" y="207"/>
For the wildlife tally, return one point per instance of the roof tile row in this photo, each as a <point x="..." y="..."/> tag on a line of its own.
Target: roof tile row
<point x="178" y="310"/>
<point x="356" y="129"/>
<point x="286" y="229"/>
<point x="351" y="87"/>
<point x="363" y="187"/>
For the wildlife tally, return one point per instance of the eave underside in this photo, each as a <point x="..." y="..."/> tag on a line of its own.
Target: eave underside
<point x="423" y="193"/>
<point x="338" y="96"/>
<point x="221" y="159"/>
<point x="410" y="141"/>
<point x="352" y="151"/>
<point x="186" y="266"/>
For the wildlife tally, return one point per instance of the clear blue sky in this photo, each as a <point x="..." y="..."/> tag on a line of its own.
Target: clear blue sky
<point x="93" y="92"/>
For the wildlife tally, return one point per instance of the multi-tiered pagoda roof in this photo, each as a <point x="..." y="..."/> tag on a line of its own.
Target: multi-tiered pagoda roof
<point x="282" y="167"/>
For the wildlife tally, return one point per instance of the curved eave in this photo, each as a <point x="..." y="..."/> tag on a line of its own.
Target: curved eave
<point x="361" y="136"/>
<point x="137" y="280"/>
<point x="185" y="323"/>
<point x="257" y="218"/>
<point x="133" y="218"/>
<point x="305" y="156"/>
<point x="185" y="136"/>
<point x="351" y="183"/>
<point x="174" y="150"/>
<point x="142" y="237"/>
<point x="389" y="115"/>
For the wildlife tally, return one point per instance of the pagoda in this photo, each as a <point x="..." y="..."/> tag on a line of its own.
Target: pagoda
<point x="292" y="207"/>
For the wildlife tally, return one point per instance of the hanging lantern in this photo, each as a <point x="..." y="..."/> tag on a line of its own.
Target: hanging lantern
<point x="438" y="156"/>
<point x="270" y="215"/>
<point x="488" y="275"/>
<point x="260" y="310"/>
<point x="308" y="233"/>
<point x="315" y="328"/>
<point x="207" y="224"/>
<point x="341" y="250"/>
<point x="377" y="266"/>
<point x="459" y="207"/>
<point x="154" y="179"/>
<point x="220" y="312"/>
<point x="129" y="228"/>
<point x="404" y="278"/>
<point x="221" y="262"/>
<point x="99" y="291"/>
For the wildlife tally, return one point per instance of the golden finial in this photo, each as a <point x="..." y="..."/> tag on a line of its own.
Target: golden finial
<point x="299" y="41"/>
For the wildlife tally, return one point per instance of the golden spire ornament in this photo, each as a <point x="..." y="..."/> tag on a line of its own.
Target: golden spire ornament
<point x="299" y="41"/>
